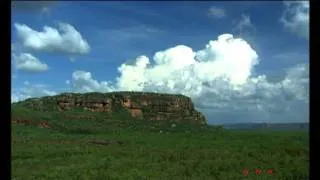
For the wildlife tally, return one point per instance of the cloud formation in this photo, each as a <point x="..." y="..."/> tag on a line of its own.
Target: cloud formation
<point x="29" y="91"/>
<point x="218" y="78"/>
<point x="67" y="40"/>
<point x="27" y="62"/>
<point x="216" y="13"/>
<point x="295" y="17"/>
<point x="83" y="82"/>
<point x="244" y="24"/>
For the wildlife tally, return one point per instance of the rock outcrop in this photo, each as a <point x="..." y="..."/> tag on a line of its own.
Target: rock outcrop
<point x="149" y="106"/>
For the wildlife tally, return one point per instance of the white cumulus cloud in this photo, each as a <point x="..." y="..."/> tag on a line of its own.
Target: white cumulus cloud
<point x="83" y="82"/>
<point x="27" y="62"/>
<point x="67" y="40"/>
<point x="295" y="17"/>
<point x="30" y="90"/>
<point x="219" y="78"/>
<point x="217" y="13"/>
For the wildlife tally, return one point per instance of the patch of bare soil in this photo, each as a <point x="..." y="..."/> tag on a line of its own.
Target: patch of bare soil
<point x="44" y="124"/>
<point x="28" y="122"/>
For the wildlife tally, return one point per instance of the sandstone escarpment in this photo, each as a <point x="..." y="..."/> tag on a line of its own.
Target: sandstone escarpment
<point x="149" y="106"/>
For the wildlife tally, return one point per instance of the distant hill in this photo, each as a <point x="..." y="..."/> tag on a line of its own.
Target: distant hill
<point x="271" y="126"/>
<point x="140" y="105"/>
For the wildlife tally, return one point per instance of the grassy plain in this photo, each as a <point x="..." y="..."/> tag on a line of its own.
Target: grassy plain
<point x="150" y="150"/>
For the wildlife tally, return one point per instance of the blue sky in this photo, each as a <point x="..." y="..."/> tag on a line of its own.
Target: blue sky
<point x="238" y="61"/>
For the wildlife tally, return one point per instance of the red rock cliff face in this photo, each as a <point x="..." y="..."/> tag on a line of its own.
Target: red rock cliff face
<point x="149" y="106"/>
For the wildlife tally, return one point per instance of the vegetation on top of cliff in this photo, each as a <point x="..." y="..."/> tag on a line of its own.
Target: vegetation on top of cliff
<point x="49" y="102"/>
<point x="99" y="96"/>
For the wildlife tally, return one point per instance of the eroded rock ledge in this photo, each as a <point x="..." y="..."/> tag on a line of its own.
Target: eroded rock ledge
<point x="150" y="106"/>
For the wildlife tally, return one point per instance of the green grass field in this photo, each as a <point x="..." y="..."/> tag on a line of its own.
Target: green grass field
<point x="181" y="152"/>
